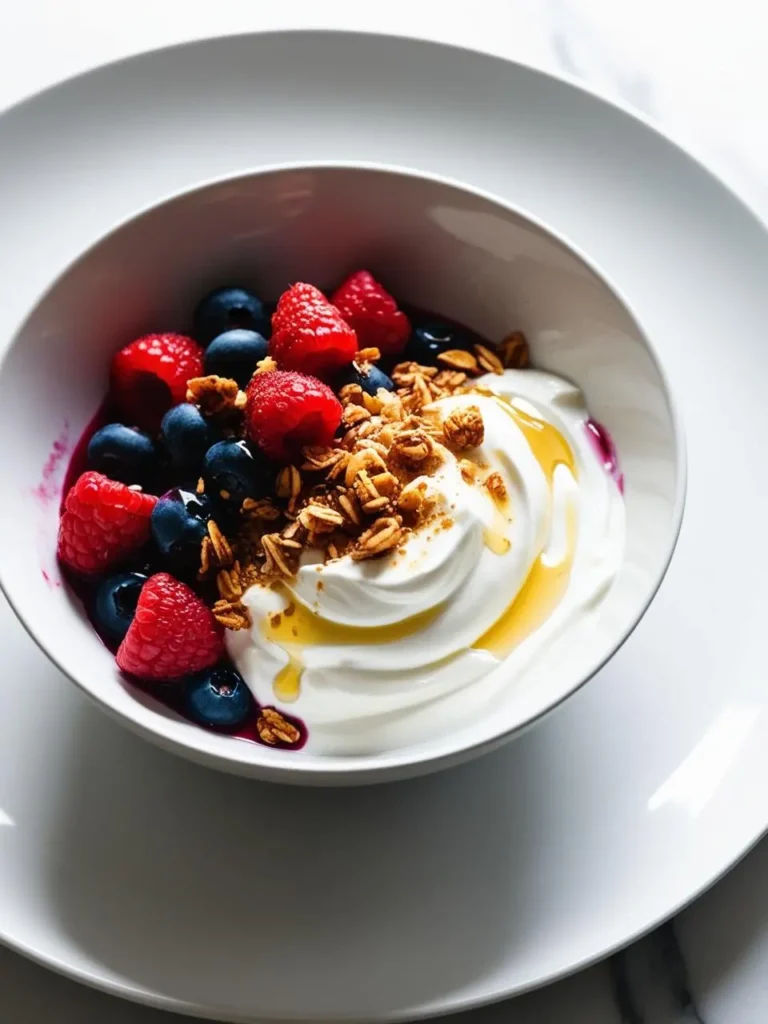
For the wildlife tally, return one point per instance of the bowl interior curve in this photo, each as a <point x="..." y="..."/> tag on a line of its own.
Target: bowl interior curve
<point x="435" y="245"/>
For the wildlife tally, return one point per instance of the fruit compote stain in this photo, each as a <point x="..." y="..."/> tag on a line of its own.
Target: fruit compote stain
<point x="171" y="696"/>
<point x="48" y="490"/>
<point x="78" y="462"/>
<point x="604" y="445"/>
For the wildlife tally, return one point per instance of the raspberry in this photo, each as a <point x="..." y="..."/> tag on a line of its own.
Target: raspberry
<point x="103" y="521"/>
<point x="173" y="633"/>
<point x="150" y="375"/>
<point x="369" y="308"/>
<point x="287" y="410"/>
<point x="308" y="334"/>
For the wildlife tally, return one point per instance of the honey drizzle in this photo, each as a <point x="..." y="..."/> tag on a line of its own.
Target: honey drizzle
<point x="495" y="536"/>
<point x="298" y="626"/>
<point x="546" y="583"/>
<point x="546" y="442"/>
<point x="541" y="593"/>
<point x="305" y="627"/>
<point x="287" y="683"/>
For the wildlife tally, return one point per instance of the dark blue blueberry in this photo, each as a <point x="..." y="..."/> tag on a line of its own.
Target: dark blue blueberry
<point x="179" y="523"/>
<point x="187" y="436"/>
<point x="427" y="341"/>
<point x="145" y="561"/>
<point x="370" y="378"/>
<point x="232" y="473"/>
<point x="227" y="308"/>
<point x="115" y="604"/>
<point x="122" y="453"/>
<point x="234" y="354"/>
<point x="218" y="697"/>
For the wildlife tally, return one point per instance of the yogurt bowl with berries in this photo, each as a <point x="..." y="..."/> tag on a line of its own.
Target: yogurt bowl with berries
<point x="334" y="474"/>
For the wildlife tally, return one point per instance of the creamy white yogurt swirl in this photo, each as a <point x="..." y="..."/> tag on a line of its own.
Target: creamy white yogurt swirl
<point x="379" y="654"/>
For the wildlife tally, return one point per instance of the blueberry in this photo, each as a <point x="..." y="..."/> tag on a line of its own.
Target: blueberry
<point x="179" y="523"/>
<point x="427" y="341"/>
<point x="187" y="436"/>
<point x="145" y="561"/>
<point x="232" y="472"/>
<point x="369" y="379"/>
<point x="122" y="453"/>
<point x="234" y="354"/>
<point x="227" y="308"/>
<point x="115" y="604"/>
<point x="218" y="697"/>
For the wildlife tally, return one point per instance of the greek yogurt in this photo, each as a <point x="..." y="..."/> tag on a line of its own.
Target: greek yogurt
<point x="387" y="652"/>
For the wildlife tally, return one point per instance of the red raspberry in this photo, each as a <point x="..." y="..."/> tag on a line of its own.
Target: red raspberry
<point x="102" y="522"/>
<point x="287" y="410"/>
<point x="150" y="375"/>
<point x="173" y="633"/>
<point x="308" y="333"/>
<point x="369" y="308"/>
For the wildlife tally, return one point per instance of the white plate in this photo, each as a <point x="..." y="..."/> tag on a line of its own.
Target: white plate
<point x="171" y="884"/>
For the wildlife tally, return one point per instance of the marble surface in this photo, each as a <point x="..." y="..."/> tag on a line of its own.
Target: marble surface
<point x="698" y="70"/>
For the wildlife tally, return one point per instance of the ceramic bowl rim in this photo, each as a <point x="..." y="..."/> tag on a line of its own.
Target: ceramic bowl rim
<point x="407" y="761"/>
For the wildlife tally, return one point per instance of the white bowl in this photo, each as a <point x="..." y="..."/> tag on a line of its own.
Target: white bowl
<point x="439" y="246"/>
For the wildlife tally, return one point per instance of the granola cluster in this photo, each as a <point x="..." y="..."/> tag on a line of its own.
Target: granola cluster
<point x="275" y="730"/>
<point x="215" y="395"/>
<point x="360" y="497"/>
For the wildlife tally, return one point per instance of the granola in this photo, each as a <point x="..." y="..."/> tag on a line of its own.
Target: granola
<point x="411" y="448"/>
<point x="219" y="544"/>
<point x="214" y="394"/>
<point x="232" y="615"/>
<point x="288" y="483"/>
<point x="317" y="518"/>
<point x="356" y="492"/>
<point x="319" y="459"/>
<point x="367" y="355"/>
<point x="494" y="482"/>
<point x="514" y="351"/>
<point x="488" y="360"/>
<point x="361" y="495"/>
<point x="274" y="728"/>
<point x="464" y="427"/>
<point x="458" y="359"/>
<point x="266" y="365"/>
<point x="354" y="414"/>
<point x="263" y="509"/>
<point x="412" y="496"/>
<point x="385" y="534"/>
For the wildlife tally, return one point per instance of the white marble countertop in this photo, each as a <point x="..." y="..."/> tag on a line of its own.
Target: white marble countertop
<point x="700" y="71"/>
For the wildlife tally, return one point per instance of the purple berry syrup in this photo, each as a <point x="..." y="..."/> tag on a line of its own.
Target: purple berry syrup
<point x="605" y="449"/>
<point x="171" y="696"/>
<point x="49" y="488"/>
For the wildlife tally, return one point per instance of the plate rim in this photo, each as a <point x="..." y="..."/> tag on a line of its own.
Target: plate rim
<point x="689" y="152"/>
